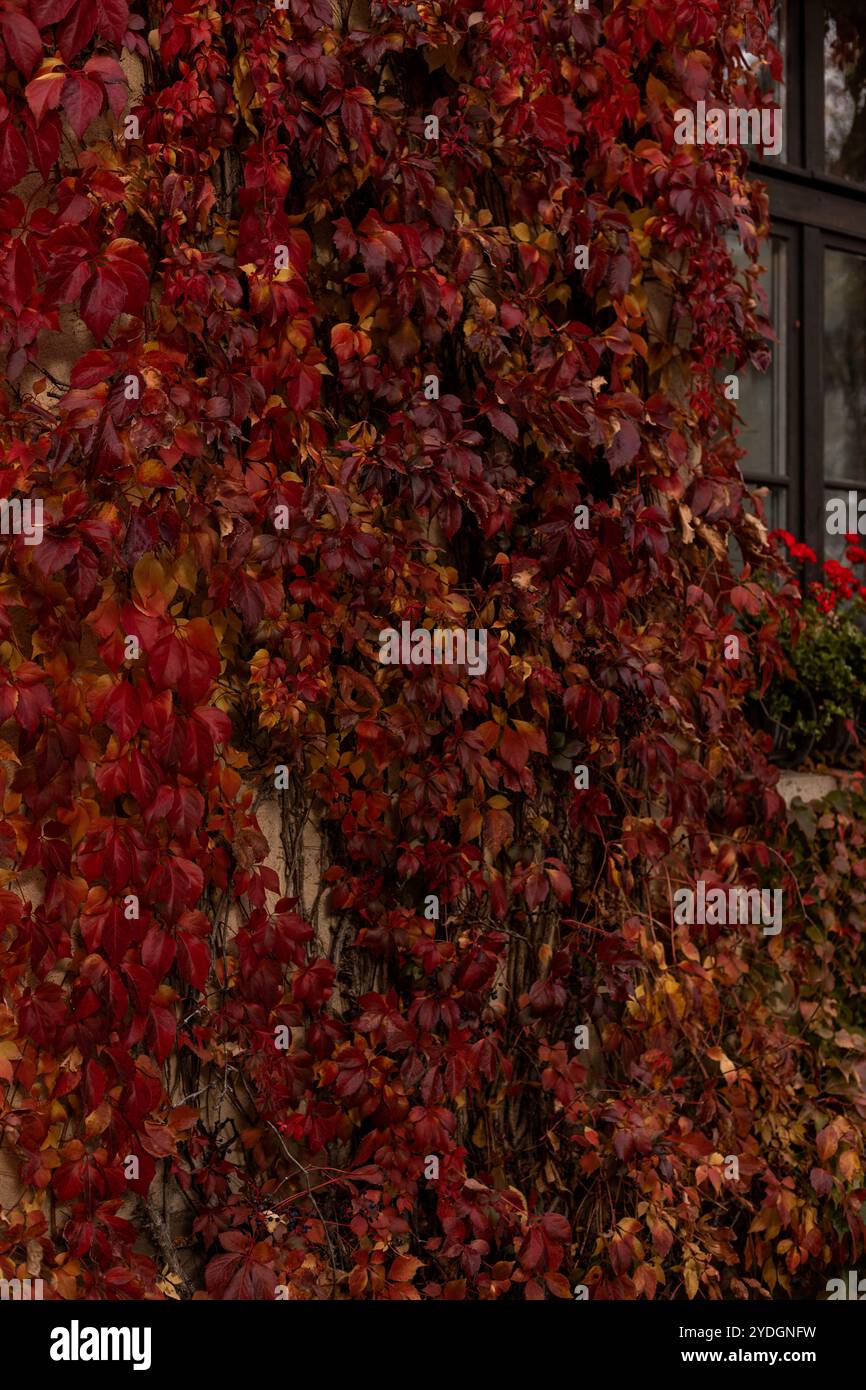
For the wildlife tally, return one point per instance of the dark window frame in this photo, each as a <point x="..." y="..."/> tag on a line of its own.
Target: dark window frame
<point x="791" y="234"/>
<point x="813" y="211"/>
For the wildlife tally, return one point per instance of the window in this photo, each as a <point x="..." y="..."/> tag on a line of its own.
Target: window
<point x="845" y="90"/>
<point x="763" y="405"/>
<point x="805" y="419"/>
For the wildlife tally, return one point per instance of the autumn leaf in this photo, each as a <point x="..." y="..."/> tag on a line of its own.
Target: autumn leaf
<point x="22" y="40"/>
<point x="404" y="1268"/>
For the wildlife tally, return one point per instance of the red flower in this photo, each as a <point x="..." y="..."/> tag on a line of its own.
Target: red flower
<point x="797" y="549"/>
<point x="841" y="578"/>
<point x="825" y="599"/>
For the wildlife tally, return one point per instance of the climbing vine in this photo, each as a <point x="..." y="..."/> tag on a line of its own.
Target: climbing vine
<point x="366" y="303"/>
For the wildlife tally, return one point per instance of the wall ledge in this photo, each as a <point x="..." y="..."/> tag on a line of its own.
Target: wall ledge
<point x="808" y="786"/>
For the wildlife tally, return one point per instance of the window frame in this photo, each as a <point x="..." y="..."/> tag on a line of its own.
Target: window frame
<point x="814" y="211"/>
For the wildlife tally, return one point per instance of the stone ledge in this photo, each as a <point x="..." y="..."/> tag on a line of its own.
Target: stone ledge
<point x="808" y="786"/>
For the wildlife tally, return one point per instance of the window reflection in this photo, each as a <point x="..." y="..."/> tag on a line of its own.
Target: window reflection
<point x="775" y="504"/>
<point x="845" y="515"/>
<point x="773" y="84"/>
<point x="763" y="397"/>
<point x="844" y="90"/>
<point x="844" y="365"/>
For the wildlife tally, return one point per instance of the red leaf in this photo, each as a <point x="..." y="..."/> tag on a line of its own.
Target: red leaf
<point x="247" y="597"/>
<point x="193" y="959"/>
<point x="535" y="887"/>
<point x="102" y="299"/>
<point x="44" y="143"/>
<point x="582" y="704"/>
<point x="109" y="72"/>
<point x="158" y="1140"/>
<point x="177" y="883"/>
<point x="77" y="30"/>
<point x="244" y="1275"/>
<point x="625" y="445"/>
<point x="160" y="806"/>
<point x="68" y="1180"/>
<point x="504" y="424"/>
<point x="662" y="1236"/>
<point x="556" y="1226"/>
<point x="129" y="260"/>
<point x="531" y="1252"/>
<point x="13" y="157"/>
<point x="22" y="40"/>
<point x="498" y="830"/>
<point x="122" y="711"/>
<point x="552" y="119"/>
<point x="95" y="366"/>
<point x="161" y="1030"/>
<point x="314" y="984"/>
<point x="514" y="750"/>
<point x="821" y="1180"/>
<point x="16" y="277"/>
<point x="559" y="882"/>
<point x="113" y="18"/>
<point x="747" y="599"/>
<point x="157" y="952"/>
<point x="217" y="723"/>
<point x="45" y="12"/>
<point x="558" y="1285"/>
<point x="165" y="662"/>
<point x="303" y="389"/>
<point x="404" y="1268"/>
<point x="82" y="102"/>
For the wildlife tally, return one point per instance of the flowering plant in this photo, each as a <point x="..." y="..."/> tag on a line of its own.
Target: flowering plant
<point x="815" y="706"/>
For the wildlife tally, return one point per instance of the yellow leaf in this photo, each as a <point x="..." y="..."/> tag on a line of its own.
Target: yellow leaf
<point x="98" y="1120"/>
<point x="657" y="91"/>
<point x="848" y="1165"/>
<point x="405" y="343"/>
<point x="154" y="589"/>
<point x="185" y="570"/>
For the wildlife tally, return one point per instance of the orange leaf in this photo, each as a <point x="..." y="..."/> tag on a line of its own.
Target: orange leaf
<point x="404" y="1268"/>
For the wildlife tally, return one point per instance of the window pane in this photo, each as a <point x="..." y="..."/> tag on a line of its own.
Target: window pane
<point x="844" y="365"/>
<point x="775" y="500"/>
<point x="845" y="89"/>
<point x="763" y="397"/>
<point x="767" y="83"/>
<point x="841" y="517"/>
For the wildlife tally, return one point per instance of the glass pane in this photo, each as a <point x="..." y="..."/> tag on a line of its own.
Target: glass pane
<point x="768" y="82"/>
<point x="776" y="509"/>
<point x="763" y="396"/>
<point x="844" y="365"/>
<point x="775" y="517"/>
<point x="775" y="500"/>
<point x="845" y="89"/>
<point x="841" y="517"/>
<point x="778" y="33"/>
